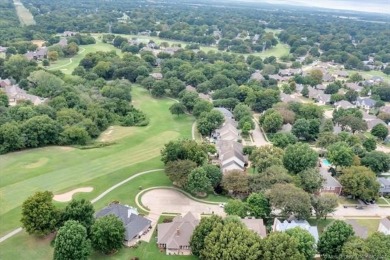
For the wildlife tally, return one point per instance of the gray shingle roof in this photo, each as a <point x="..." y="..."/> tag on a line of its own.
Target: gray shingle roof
<point x="359" y="230"/>
<point x="133" y="223"/>
<point x="256" y="225"/>
<point x="285" y="225"/>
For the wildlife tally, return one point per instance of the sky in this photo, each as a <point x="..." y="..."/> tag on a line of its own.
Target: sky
<point x="374" y="6"/>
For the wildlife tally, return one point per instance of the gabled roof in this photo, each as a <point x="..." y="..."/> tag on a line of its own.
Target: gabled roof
<point x="285" y="225"/>
<point x="257" y="76"/>
<point x="386" y="222"/>
<point x="374" y="122"/>
<point x="354" y="86"/>
<point x="178" y="232"/>
<point x="365" y="101"/>
<point x="133" y="223"/>
<point x="256" y="225"/>
<point x="330" y="181"/>
<point x="360" y="231"/>
<point x="385" y="109"/>
<point x="344" y="104"/>
<point x="323" y="98"/>
<point x="226" y="113"/>
<point x="384" y="184"/>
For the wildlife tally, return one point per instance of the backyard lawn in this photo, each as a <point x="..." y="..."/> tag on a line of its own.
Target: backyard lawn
<point x="61" y="169"/>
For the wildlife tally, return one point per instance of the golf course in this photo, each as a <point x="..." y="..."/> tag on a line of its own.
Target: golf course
<point x="62" y="169"/>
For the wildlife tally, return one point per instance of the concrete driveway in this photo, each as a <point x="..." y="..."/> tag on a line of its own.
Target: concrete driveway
<point x="257" y="135"/>
<point x="172" y="201"/>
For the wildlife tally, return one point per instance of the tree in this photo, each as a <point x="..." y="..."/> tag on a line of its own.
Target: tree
<point x="184" y="149"/>
<point x="282" y="140"/>
<point x="272" y="122"/>
<point x="177" y="109"/>
<point x="40" y="130"/>
<point x="71" y="242"/>
<point x="324" y="204"/>
<point x="189" y="99"/>
<point x="265" y="180"/>
<point x="52" y="55"/>
<point x="360" y="182"/>
<point x="298" y="157"/>
<point x="306" y="242"/>
<point x="378" y="245"/>
<point x="206" y="225"/>
<point x="213" y="173"/>
<point x="258" y="205"/>
<point x="235" y="181"/>
<point x="45" y="84"/>
<point x="108" y="234"/>
<point x="340" y="154"/>
<point x="377" y="161"/>
<point x="74" y="135"/>
<point x="236" y="207"/>
<point x="290" y="200"/>
<point x="380" y="131"/>
<point x="39" y="215"/>
<point x="231" y="240"/>
<point x="315" y="77"/>
<point x="333" y="239"/>
<point x="81" y="211"/>
<point x="306" y="129"/>
<point x="280" y="245"/>
<point x="353" y="123"/>
<point x="209" y="121"/>
<point x="200" y="107"/>
<point x="311" y="180"/>
<point x="369" y="144"/>
<point x="241" y="110"/>
<point x="179" y="170"/>
<point x="198" y="182"/>
<point x="305" y="91"/>
<point x="10" y="137"/>
<point x="354" y="248"/>
<point x="266" y="156"/>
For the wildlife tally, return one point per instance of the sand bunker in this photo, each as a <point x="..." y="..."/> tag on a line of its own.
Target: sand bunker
<point x="64" y="197"/>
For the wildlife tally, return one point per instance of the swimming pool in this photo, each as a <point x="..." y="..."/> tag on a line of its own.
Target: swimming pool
<point x="325" y="162"/>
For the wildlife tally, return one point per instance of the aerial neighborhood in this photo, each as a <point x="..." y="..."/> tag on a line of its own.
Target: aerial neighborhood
<point x="188" y="130"/>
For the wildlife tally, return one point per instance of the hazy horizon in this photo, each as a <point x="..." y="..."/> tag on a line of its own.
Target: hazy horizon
<point x="372" y="6"/>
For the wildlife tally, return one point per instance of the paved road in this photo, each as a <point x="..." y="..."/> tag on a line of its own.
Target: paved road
<point x="257" y="135"/>
<point x="369" y="211"/>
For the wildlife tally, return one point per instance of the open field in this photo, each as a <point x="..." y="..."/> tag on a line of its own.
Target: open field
<point x="25" y="16"/>
<point x="67" y="65"/>
<point x="61" y="169"/>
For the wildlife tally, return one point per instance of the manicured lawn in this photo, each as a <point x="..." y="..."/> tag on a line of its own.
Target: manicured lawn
<point x="381" y="201"/>
<point x="371" y="224"/>
<point x="321" y="224"/>
<point x="61" y="169"/>
<point x="25" y="16"/>
<point x="278" y="51"/>
<point x="346" y="201"/>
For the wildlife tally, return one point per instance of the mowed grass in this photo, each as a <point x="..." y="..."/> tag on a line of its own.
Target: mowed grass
<point x="25" y="16"/>
<point x="67" y="65"/>
<point x="62" y="169"/>
<point x="371" y="224"/>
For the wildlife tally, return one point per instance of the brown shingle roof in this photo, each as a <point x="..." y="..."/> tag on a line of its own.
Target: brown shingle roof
<point x="256" y="225"/>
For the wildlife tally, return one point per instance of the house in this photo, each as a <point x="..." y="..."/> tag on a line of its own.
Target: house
<point x="175" y="237"/>
<point x="157" y="76"/>
<point x="328" y="78"/>
<point x="367" y="117"/>
<point x="285" y="225"/>
<point x="287" y="98"/>
<point x="257" y="76"/>
<point x="384" y="186"/>
<point x="228" y="131"/>
<point x="39" y="54"/>
<point x="230" y="155"/>
<point x="135" y="225"/>
<point x="341" y="74"/>
<point x="5" y="82"/>
<point x="377" y="79"/>
<point x="320" y="87"/>
<point x="69" y="33"/>
<point x="331" y="184"/>
<point x="314" y="93"/>
<point x="343" y="104"/>
<point x="286" y="128"/>
<point x="360" y="231"/>
<point x="365" y="102"/>
<point x="374" y="122"/>
<point x="384" y="109"/>
<point x="354" y="86"/>
<point x="16" y="94"/>
<point x="323" y="99"/>
<point x="276" y="77"/>
<point x="205" y="97"/>
<point x="63" y="42"/>
<point x="171" y="50"/>
<point x="256" y="225"/>
<point x="190" y="88"/>
<point x="384" y="226"/>
<point x="226" y="113"/>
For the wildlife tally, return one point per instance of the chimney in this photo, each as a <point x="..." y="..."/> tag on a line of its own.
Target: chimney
<point x="177" y="232"/>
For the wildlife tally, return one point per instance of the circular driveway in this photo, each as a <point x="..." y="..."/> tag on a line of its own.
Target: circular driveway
<point x="172" y="201"/>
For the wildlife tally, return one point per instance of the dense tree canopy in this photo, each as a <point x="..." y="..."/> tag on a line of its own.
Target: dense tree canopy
<point x="298" y="157"/>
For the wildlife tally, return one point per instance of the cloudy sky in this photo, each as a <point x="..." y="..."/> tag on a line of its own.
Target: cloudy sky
<point x="375" y="6"/>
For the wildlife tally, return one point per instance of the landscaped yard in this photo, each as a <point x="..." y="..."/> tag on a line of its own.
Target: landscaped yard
<point x="62" y="169"/>
<point x="371" y="224"/>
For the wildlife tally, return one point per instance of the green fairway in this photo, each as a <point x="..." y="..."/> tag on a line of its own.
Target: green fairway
<point x="25" y="16"/>
<point x="67" y="65"/>
<point x="62" y="169"/>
